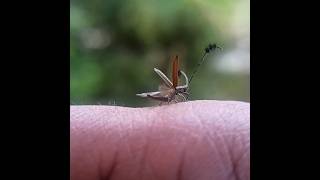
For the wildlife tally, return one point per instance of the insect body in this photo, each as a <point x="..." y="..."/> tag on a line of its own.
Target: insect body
<point x="170" y="91"/>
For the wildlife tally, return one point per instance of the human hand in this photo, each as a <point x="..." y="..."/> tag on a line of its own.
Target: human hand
<point x="189" y="140"/>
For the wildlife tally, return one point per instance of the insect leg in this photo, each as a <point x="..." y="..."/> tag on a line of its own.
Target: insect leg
<point x="170" y="98"/>
<point x="184" y="98"/>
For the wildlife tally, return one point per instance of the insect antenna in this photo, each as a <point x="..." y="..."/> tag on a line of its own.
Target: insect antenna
<point x="207" y="50"/>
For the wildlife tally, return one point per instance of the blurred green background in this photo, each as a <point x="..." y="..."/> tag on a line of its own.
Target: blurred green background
<point x="115" y="44"/>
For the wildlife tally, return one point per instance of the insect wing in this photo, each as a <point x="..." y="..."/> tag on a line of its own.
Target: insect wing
<point x="165" y="79"/>
<point x="175" y="70"/>
<point x="156" y="93"/>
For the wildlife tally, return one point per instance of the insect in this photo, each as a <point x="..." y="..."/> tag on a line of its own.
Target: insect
<point x="170" y="91"/>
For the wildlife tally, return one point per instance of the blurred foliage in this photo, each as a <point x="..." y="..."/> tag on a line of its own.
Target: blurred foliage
<point x="115" y="44"/>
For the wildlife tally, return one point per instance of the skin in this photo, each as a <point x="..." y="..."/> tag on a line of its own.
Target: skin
<point x="191" y="140"/>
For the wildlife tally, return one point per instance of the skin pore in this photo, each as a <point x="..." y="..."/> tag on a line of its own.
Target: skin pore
<point x="190" y="140"/>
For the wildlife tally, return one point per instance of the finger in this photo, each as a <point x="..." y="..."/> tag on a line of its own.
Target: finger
<point x="191" y="140"/>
